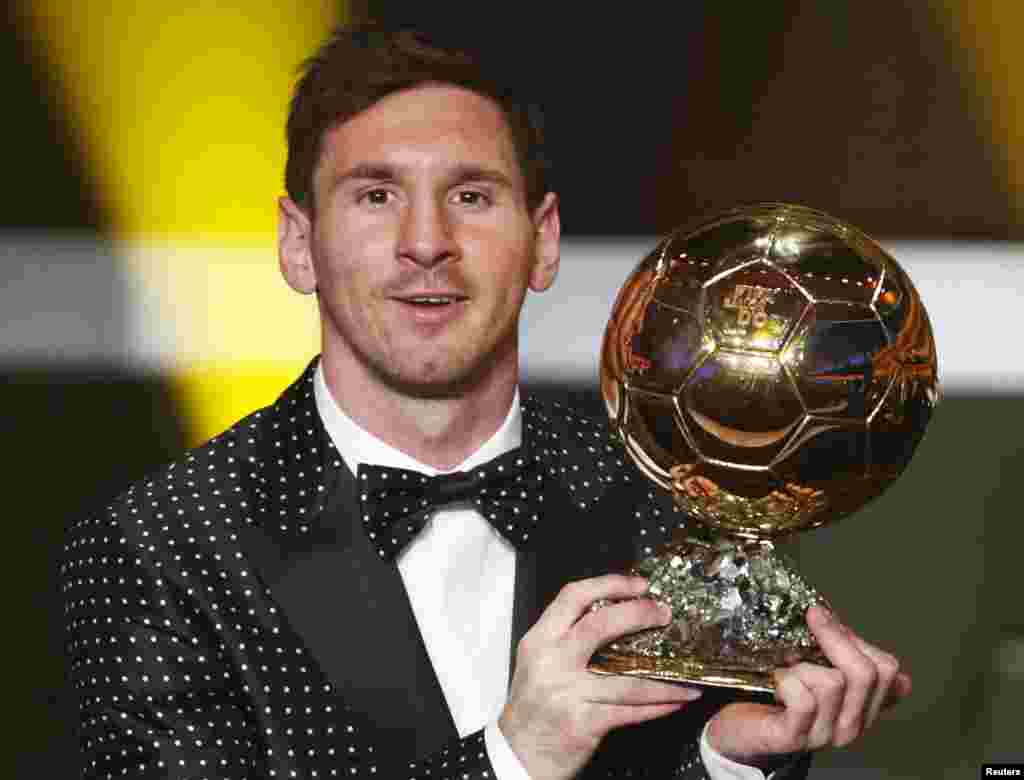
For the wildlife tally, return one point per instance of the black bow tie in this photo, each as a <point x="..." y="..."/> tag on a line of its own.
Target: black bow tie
<point x="396" y="503"/>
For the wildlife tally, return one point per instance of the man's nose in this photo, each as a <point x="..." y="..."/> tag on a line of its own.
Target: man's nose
<point x="427" y="238"/>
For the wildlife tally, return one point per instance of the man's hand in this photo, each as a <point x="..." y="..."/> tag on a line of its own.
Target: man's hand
<point x="821" y="706"/>
<point x="558" y="712"/>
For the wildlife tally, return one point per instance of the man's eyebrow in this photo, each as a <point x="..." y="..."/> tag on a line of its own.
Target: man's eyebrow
<point x="367" y="170"/>
<point x="376" y="171"/>
<point x="469" y="172"/>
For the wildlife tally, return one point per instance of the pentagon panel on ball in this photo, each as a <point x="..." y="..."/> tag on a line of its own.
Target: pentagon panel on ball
<point x="774" y="369"/>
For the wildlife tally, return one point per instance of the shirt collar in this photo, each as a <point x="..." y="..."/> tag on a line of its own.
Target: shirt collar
<point x="356" y="445"/>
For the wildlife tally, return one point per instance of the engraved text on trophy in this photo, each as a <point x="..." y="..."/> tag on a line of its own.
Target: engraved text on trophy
<point x="751" y="305"/>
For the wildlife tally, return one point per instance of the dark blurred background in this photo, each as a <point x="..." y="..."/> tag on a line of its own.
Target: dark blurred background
<point x="138" y="208"/>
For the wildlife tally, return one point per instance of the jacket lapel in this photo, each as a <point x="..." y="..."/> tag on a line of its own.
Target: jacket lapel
<point x="573" y="541"/>
<point x="346" y="605"/>
<point x="570" y="549"/>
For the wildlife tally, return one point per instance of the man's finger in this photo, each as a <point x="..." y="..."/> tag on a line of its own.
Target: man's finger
<point x="617" y="715"/>
<point x="637" y="691"/>
<point x="613" y="621"/>
<point x="859" y="671"/>
<point x="788" y="730"/>
<point x="829" y="689"/>
<point x="748" y="732"/>
<point x="575" y="600"/>
<point x="893" y="684"/>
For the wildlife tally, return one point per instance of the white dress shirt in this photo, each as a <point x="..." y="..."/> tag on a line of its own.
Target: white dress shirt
<point x="459" y="574"/>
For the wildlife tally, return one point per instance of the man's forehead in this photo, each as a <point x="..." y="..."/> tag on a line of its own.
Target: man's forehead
<point x="428" y="126"/>
<point x="425" y="108"/>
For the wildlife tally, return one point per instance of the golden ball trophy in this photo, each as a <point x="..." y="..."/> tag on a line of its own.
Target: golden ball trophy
<point x="774" y="369"/>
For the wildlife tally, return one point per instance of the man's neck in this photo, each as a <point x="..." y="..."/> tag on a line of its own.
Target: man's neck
<point x="439" y="432"/>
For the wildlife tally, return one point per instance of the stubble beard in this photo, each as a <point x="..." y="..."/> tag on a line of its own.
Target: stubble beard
<point x="440" y="377"/>
<point x="454" y="381"/>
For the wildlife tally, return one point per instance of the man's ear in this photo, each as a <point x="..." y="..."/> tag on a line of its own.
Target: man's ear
<point x="294" y="236"/>
<point x="547" y="248"/>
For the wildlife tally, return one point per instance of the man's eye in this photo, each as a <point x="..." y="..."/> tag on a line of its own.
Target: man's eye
<point x="471" y="198"/>
<point x="376" y="197"/>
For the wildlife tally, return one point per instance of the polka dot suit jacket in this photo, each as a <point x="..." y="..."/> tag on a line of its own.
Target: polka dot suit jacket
<point x="228" y="618"/>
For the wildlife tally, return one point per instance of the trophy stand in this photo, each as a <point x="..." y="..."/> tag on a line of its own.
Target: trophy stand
<point x="738" y="613"/>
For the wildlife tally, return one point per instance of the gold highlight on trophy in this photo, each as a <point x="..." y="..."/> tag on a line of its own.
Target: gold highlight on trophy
<point x="774" y="369"/>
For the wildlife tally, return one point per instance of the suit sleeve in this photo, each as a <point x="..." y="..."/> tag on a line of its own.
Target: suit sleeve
<point x="155" y="698"/>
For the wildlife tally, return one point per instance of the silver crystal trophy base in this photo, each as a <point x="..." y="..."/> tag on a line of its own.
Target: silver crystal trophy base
<point x="738" y="613"/>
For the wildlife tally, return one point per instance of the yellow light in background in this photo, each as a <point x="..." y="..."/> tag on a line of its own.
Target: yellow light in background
<point x="181" y="106"/>
<point x="230" y="342"/>
<point x="180" y="109"/>
<point x="988" y="33"/>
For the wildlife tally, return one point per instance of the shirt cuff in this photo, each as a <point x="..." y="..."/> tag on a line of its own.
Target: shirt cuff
<point x="504" y="761"/>
<point x="719" y="767"/>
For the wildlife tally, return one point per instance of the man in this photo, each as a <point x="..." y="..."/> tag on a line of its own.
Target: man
<point x="256" y="610"/>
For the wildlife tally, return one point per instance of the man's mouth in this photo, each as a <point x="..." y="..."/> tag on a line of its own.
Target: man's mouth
<point x="432" y="300"/>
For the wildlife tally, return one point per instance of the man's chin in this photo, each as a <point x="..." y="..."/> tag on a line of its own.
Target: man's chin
<point x="431" y="381"/>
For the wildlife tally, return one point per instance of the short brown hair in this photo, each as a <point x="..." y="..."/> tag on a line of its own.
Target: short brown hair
<point x="359" y="65"/>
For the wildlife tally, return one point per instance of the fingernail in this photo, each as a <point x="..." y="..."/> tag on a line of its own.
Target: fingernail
<point x="666" y="612"/>
<point x="694" y="693"/>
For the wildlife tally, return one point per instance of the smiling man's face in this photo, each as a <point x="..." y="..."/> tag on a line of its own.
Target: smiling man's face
<point x="423" y="246"/>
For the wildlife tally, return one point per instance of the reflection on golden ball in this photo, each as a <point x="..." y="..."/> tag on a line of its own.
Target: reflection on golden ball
<point x="771" y="366"/>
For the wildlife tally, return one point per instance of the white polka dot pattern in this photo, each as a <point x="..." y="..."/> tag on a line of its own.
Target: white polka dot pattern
<point x="183" y="663"/>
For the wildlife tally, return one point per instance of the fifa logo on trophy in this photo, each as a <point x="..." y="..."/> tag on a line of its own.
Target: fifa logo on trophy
<point x="751" y="304"/>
